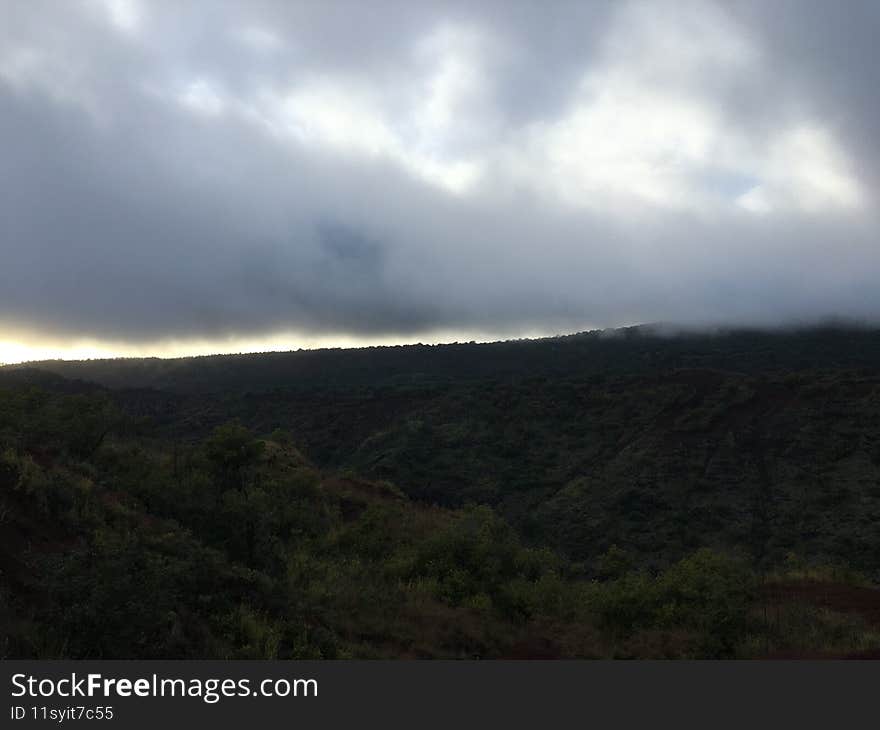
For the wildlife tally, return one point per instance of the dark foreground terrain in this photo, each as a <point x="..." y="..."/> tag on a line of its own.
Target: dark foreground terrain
<point x="600" y="495"/>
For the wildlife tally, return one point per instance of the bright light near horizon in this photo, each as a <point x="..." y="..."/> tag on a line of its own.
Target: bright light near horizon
<point x="19" y="351"/>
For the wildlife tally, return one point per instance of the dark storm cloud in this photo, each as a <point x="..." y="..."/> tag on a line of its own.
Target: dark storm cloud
<point x="222" y="168"/>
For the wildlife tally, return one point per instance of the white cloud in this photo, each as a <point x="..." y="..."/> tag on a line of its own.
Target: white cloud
<point x="349" y="115"/>
<point x="643" y="128"/>
<point x="756" y="200"/>
<point x="202" y="97"/>
<point x="807" y="169"/>
<point x="345" y="117"/>
<point x="124" y="15"/>
<point x="261" y="40"/>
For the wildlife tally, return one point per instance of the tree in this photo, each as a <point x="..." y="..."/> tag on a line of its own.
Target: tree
<point x="233" y="451"/>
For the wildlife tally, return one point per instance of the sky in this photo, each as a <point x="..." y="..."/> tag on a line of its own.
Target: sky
<point x="222" y="176"/>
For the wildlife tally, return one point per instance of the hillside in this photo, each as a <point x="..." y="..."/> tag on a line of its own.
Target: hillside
<point x="632" y="350"/>
<point x="768" y="442"/>
<point x="593" y="495"/>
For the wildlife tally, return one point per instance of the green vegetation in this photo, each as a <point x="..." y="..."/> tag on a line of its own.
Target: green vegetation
<point x="648" y="503"/>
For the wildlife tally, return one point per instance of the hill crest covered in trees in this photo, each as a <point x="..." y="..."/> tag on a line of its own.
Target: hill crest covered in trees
<point x="591" y="495"/>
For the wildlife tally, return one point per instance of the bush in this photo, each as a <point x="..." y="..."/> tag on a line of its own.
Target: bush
<point x="707" y="594"/>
